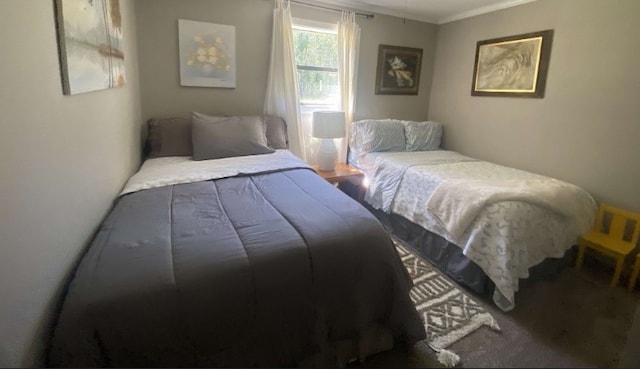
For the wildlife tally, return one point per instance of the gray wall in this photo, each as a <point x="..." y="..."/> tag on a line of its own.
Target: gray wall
<point x="63" y="159"/>
<point x="586" y="130"/>
<point x="162" y="95"/>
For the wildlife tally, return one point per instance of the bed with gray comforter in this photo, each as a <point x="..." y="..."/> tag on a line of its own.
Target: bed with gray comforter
<point x="256" y="265"/>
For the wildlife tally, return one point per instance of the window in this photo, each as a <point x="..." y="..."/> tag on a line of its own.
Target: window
<point x="316" y="53"/>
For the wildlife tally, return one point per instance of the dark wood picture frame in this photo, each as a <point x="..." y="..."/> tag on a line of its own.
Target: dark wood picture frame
<point x="514" y="66"/>
<point x="398" y="70"/>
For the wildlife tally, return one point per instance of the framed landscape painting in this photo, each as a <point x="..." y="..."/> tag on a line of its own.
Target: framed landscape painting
<point x="513" y="66"/>
<point x="90" y="45"/>
<point x="398" y="70"/>
<point x="207" y="54"/>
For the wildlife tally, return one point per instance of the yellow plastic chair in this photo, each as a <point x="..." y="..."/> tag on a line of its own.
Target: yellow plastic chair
<point x="610" y="240"/>
<point x="634" y="273"/>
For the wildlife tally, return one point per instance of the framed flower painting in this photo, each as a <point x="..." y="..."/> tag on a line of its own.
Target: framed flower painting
<point x="398" y="70"/>
<point x="207" y="54"/>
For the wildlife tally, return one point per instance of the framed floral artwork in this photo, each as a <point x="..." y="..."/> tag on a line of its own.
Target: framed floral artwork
<point x="398" y="70"/>
<point x="514" y="66"/>
<point x="207" y="54"/>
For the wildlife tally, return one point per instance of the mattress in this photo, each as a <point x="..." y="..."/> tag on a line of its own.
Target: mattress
<point x="252" y="265"/>
<point x="504" y="238"/>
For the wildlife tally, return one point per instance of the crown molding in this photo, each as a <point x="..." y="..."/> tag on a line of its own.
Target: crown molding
<point x="483" y="10"/>
<point x="351" y="4"/>
<point x="373" y="9"/>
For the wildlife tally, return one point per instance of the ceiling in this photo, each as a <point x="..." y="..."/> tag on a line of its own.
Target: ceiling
<point x="432" y="11"/>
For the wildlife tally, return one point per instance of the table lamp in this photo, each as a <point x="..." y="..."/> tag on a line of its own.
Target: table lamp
<point x="328" y="125"/>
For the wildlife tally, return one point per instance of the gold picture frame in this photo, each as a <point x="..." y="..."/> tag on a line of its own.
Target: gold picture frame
<point x="514" y="66"/>
<point x="398" y="70"/>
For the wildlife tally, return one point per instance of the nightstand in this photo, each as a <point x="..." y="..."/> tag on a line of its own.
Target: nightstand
<point x="344" y="173"/>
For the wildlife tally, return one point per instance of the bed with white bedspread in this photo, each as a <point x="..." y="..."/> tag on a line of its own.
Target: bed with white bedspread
<point x="504" y="219"/>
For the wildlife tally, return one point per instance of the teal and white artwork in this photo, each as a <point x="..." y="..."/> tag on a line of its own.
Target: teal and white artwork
<point x="91" y="45"/>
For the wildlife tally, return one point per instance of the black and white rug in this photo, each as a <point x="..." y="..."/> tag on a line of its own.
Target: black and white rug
<point x="448" y="313"/>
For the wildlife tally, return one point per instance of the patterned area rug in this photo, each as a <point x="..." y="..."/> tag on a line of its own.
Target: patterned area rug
<point x="448" y="313"/>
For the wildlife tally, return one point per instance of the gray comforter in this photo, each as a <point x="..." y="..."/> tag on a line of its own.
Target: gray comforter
<point x="272" y="269"/>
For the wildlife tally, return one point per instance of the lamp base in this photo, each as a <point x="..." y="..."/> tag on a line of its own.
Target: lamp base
<point x="327" y="155"/>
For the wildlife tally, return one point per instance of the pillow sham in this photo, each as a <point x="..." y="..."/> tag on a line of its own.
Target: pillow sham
<point x="276" y="132"/>
<point x="223" y="137"/>
<point x="169" y="137"/>
<point x="422" y="136"/>
<point x="373" y="135"/>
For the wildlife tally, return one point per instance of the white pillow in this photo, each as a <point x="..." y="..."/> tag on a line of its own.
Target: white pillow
<point x="422" y="136"/>
<point x="374" y="135"/>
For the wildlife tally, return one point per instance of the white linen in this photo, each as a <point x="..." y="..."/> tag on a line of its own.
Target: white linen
<point x="172" y="170"/>
<point x="456" y="203"/>
<point x="505" y="239"/>
<point x="388" y="172"/>
<point x="364" y="162"/>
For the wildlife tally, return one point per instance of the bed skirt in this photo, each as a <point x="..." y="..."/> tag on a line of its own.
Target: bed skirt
<point x="449" y="259"/>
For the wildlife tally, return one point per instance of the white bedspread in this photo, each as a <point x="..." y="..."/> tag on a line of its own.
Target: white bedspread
<point x="457" y="203"/>
<point x="504" y="236"/>
<point x="182" y="169"/>
<point x="388" y="172"/>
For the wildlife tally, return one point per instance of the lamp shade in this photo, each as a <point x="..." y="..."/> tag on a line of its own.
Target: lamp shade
<point x="328" y="124"/>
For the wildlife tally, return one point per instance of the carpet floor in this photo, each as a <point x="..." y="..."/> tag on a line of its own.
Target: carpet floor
<point x="569" y="319"/>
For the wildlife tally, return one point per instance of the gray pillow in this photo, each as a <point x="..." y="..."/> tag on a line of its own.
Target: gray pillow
<point x="373" y="135"/>
<point x="169" y="137"/>
<point x="422" y="136"/>
<point x="276" y="132"/>
<point x="223" y="137"/>
<point x="172" y="136"/>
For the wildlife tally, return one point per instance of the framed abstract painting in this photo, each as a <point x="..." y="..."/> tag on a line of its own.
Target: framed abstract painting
<point x="514" y="66"/>
<point x="90" y="45"/>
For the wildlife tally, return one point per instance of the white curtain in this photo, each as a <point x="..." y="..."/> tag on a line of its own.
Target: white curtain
<point x="282" y="97"/>
<point x="348" y="50"/>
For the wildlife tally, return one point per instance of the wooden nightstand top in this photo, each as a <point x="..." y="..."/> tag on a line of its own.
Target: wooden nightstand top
<point x="342" y="172"/>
